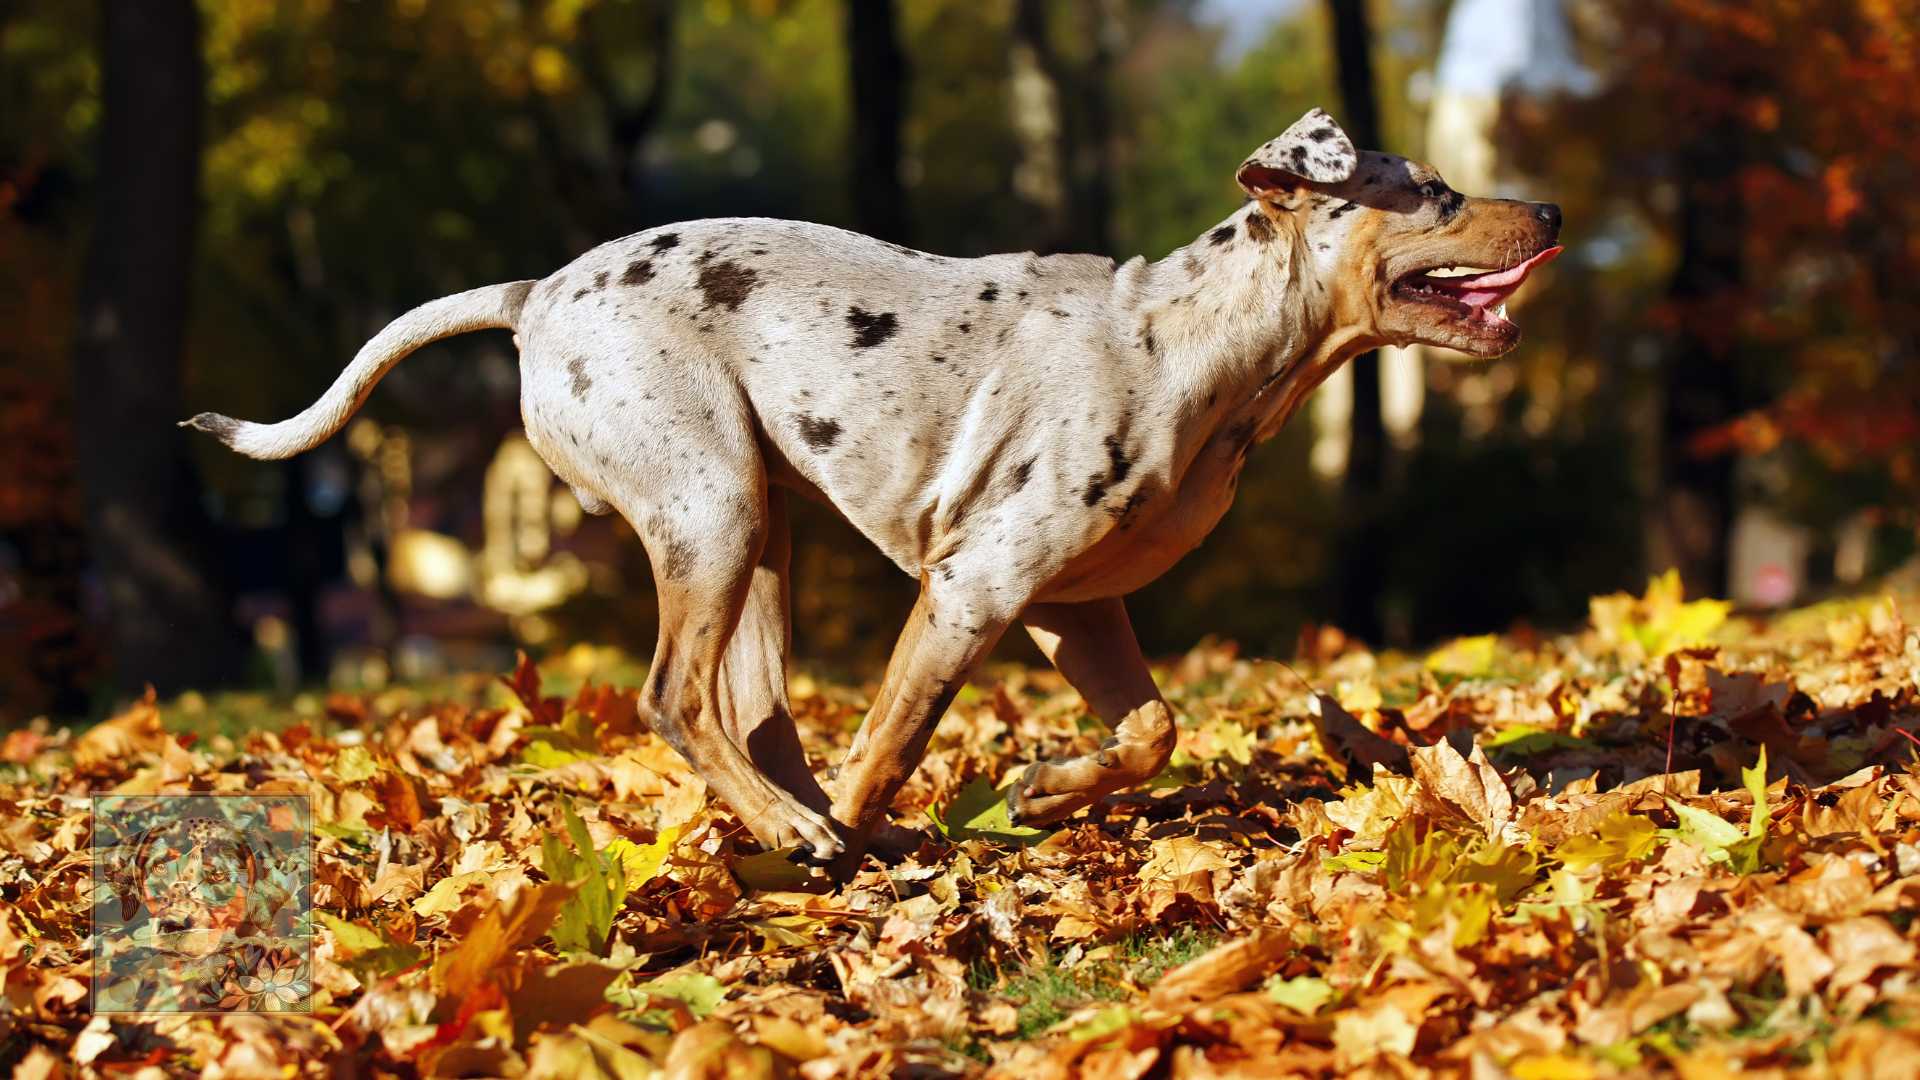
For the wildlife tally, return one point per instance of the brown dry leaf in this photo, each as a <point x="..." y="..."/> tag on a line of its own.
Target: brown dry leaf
<point x="114" y="742"/>
<point x="1628" y="1014"/>
<point x="1224" y="970"/>
<point x="504" y="928"/>
<point x="1861" y="946"/>
<point x="1469" y="785"/>
<point x="1182" y="869"/>
<point x="1351" y="742"/>
<point x="1457" y="919"/>
<point x="711" y="1051"/>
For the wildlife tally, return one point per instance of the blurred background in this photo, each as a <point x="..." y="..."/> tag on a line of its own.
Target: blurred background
<point x="212" y="205"/>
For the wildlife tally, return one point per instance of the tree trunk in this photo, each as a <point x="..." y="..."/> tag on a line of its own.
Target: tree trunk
<point x="169" y="617"/>
<point x="1361" y="571"/>
<point x="1064" y="121"/>
<point x="1694" y="509"/>
<point x="1093" y="202"/>
<point x="878" y="70"/>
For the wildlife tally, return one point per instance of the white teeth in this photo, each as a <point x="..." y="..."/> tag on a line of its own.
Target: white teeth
<point x="1500" y="312"/>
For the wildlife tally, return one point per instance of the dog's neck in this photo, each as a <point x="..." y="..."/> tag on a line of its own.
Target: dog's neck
<point x="1242" y="321"/>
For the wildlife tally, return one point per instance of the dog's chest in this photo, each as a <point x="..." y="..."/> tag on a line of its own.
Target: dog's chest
<point x="1162" y="527"/>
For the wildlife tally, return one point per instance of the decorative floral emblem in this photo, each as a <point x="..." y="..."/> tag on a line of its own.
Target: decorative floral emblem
<point x="202" y="903"/>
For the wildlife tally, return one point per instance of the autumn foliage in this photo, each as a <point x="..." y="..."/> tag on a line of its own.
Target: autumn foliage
<point x="1676" y="841"/>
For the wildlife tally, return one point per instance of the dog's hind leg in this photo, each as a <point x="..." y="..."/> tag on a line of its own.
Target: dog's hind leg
<point x="753" y="676"/>
<point x="1093" y="645"/>
<point x="704" y="557"/>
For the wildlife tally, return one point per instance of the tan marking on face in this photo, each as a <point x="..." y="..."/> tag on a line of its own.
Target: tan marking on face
<point x="1400" y="226"/>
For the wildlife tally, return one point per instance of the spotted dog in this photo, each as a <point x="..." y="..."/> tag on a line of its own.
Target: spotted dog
<point x="1029" y="437"/>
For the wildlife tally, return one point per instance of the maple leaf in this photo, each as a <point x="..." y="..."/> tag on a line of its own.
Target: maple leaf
<point x="1618" y="839"/>
<point x="1659" y="621"/>
<point x="368" y="953"/>
<point x="501" y="930"/>
<point x="525" y="685"/>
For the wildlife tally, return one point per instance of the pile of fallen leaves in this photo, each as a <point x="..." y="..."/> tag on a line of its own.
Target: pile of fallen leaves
<point x="1676" y="840"/>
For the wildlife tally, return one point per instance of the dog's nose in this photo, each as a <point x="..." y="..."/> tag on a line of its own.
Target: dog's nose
<point x="1549" y="215"/>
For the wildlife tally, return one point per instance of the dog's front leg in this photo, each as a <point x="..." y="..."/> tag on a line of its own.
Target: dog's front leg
<point x="1093" y="645"/>
<point x="952" y="626"/>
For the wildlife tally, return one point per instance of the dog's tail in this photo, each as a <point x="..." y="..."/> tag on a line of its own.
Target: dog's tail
<point x="490" y="308"/>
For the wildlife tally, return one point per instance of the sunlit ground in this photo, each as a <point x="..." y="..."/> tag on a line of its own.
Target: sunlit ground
<point x="1525" y="853"/>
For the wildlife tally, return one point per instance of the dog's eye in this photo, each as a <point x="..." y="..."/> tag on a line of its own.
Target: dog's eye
<point x="1433" y="189"/>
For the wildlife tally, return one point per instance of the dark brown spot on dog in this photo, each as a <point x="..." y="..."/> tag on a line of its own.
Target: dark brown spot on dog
<point x="664" y="242"/>
<point x="1056" y="313"/>
<point x="580" y="293"/>
<point x="1117" y="469"/>
<point x="1298" y="155"/>
<point x="600" y="280"/>
<point x="990" y="293"/>
<point x="819" y="434"/>
<point x="1320" y="134"/>
<point x="1022" y="473"/>
<point x="660" y="669"/>
<point x="1220" y="235"/>
<point x="639" y="272"/>
<point x="871" y="328"/>
<point x="726" y="284"/>
<point x="679" y="559"/>
<point x="577" y="368"/>
<point x="966" y="328"/>
<point x="1259" y="229"/>
<point x="1341" y="209"/>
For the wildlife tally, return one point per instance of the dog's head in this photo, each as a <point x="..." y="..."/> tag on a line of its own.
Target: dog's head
<point x="1405" y="258"/>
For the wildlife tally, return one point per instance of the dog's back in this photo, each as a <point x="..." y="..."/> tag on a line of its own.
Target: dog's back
<point x="863" y="368"/>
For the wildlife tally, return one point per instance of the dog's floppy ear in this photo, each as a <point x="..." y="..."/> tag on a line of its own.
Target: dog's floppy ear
<point x="1313" y="151"/>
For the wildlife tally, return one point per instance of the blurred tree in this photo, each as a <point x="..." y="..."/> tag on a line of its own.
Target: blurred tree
<point x="168" y="611"/>
<point x="1769" y="149"/>
<point x="877" y="72"/>
<point x="1063" y="112"/>
<point x="1365" y="480"/>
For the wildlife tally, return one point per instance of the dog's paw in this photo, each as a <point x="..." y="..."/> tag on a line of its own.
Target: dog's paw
<point x="1032" y="800"/>
<point x="816" y="839"/>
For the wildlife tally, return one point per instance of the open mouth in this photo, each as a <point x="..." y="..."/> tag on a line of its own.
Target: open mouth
<point x="1477" y="299"/>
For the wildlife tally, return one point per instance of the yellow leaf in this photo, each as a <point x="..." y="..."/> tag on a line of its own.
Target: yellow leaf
<point x="446" y="894"/>
<point x="642" y="862"/>
<point x="1657" y="622"/>
<point x="1303" y="993"/>
<point x="354" y="764"/>
<point x="1466" y="658"/>
<point x="1619" y="838"/>
<point x="774" y="871"/>
<point x="979" y="812"/>
<point x="1550" y="1067"/>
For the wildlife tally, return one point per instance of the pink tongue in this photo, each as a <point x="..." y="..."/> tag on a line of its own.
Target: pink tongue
<point x="1483" y="289"/>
